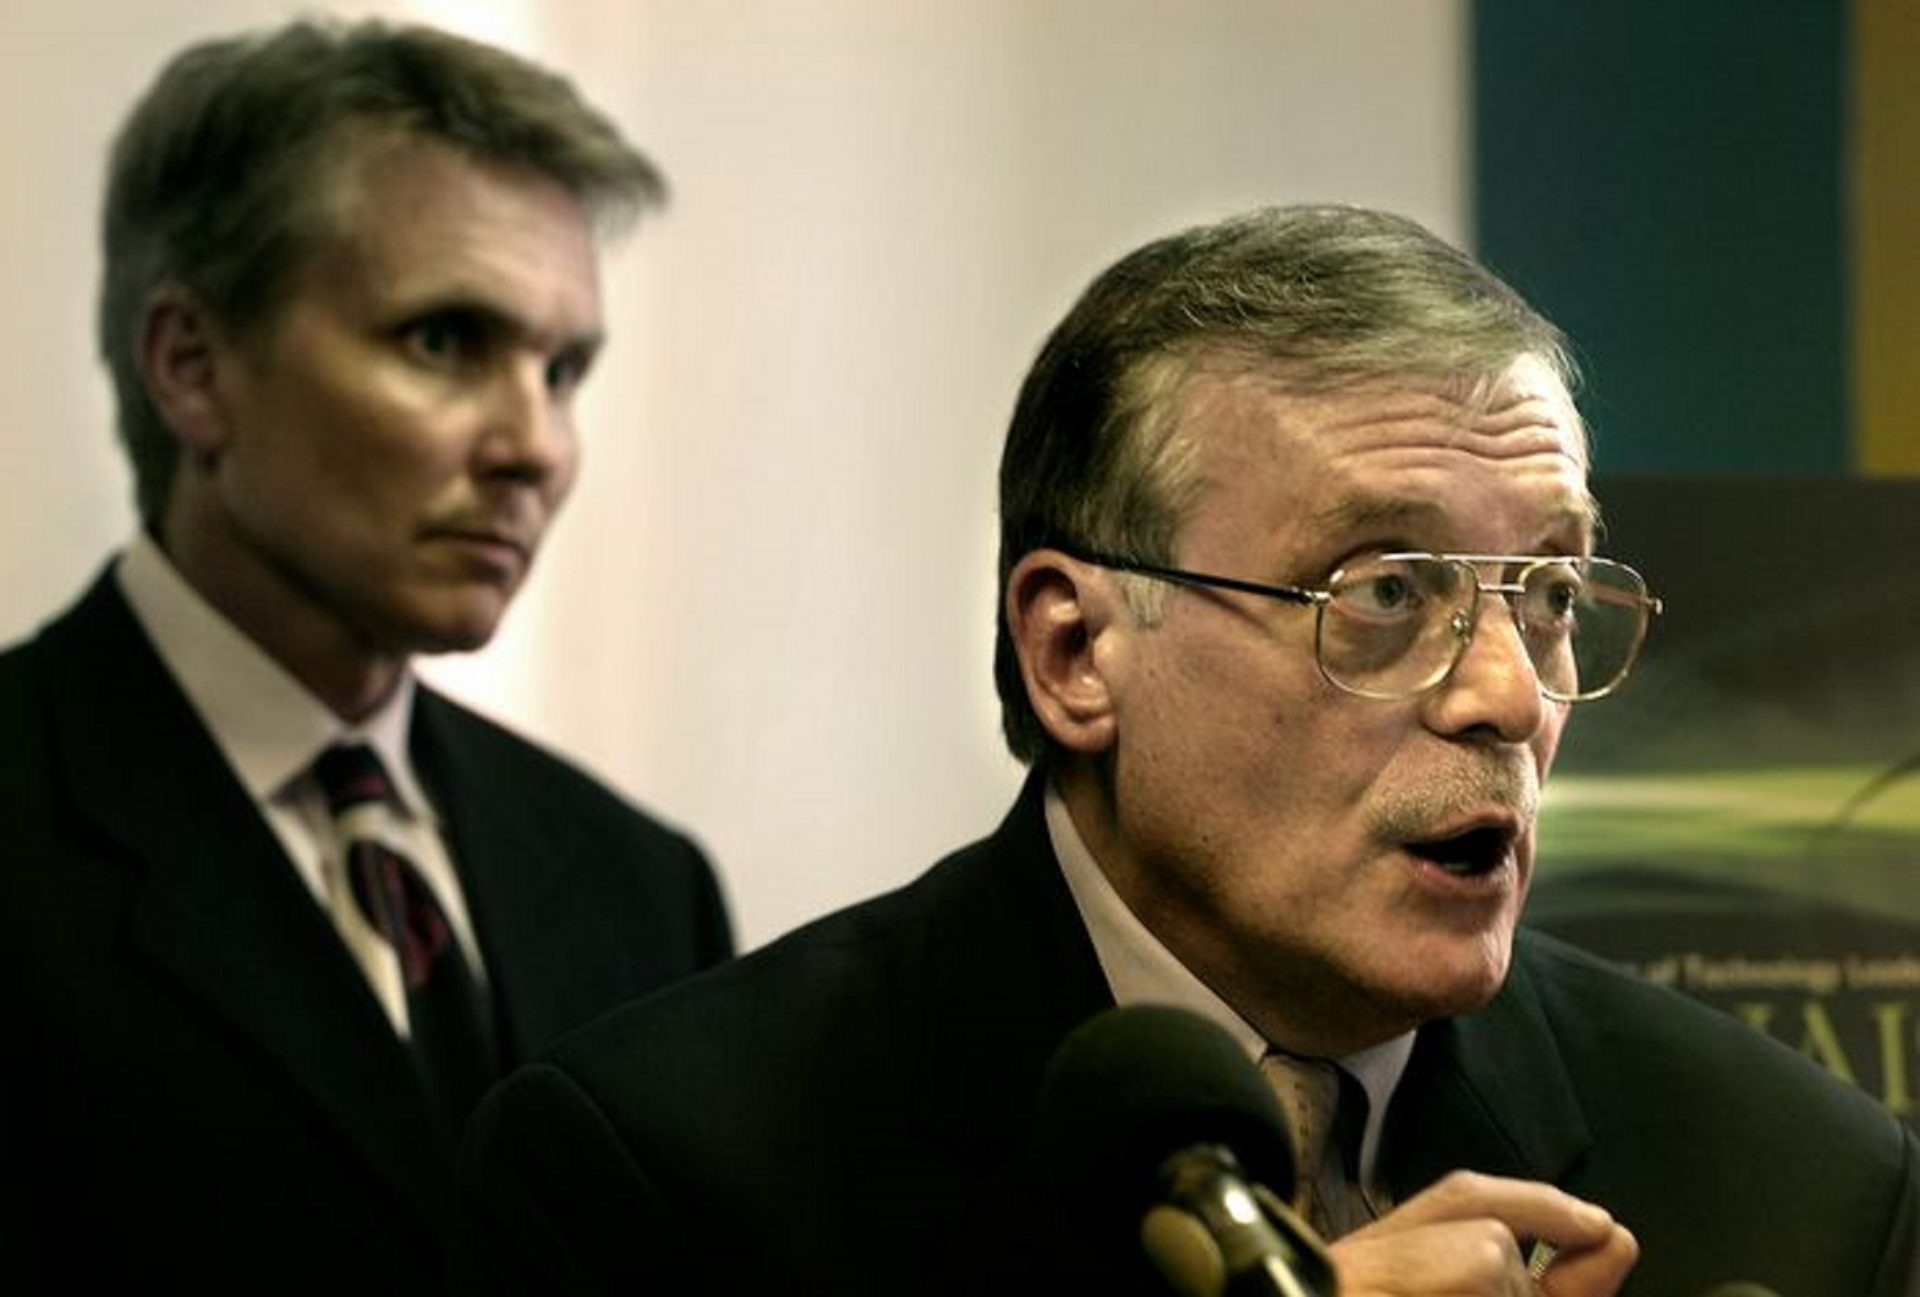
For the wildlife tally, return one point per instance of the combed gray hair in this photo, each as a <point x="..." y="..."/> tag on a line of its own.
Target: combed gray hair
<point x="218" y="178"/>
<point x="1325" y="297"/>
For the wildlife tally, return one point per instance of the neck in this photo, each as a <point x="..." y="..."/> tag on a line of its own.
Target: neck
<point x="290" y="623"/>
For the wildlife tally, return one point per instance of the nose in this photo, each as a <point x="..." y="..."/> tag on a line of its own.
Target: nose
<point x="1494" y="689"/>
<point x="528" y="431"/>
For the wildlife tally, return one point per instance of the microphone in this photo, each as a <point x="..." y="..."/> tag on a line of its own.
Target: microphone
<point x="1157" y="1134"/>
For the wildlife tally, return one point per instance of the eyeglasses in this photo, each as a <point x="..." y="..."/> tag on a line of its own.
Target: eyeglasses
<point x="1396" y="625"/>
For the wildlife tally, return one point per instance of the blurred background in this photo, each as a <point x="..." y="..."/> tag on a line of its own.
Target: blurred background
<point x="768" y="612"/>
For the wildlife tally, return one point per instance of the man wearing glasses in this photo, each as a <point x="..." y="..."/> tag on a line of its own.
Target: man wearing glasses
<point x="1297" y="593"/>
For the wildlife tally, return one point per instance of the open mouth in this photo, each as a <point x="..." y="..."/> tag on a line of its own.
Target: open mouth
<point x="1467" y="855"/>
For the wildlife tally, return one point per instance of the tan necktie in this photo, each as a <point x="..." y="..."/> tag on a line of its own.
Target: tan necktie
<point x="1309" y="1089"/>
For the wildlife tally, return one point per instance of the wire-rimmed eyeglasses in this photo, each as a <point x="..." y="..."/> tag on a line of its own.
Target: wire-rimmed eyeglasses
<point x="1396" y="625"/>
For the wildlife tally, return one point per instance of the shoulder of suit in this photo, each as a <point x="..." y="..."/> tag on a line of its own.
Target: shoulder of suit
<point x="851" y="965"/>
<point x="449" y="735"/>
<point x="1591" y="999"/>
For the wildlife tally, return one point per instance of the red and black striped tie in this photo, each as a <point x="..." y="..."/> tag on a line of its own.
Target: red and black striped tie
<point x="449" y="1020"/>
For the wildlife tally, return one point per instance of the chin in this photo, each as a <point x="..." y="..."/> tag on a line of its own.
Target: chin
<point x="450" y="631"/>
<point x="1457" y="979"/>
<point x="1470" y="987"/>
<point x="460" y="639"/>
<point x="456" y="620"/>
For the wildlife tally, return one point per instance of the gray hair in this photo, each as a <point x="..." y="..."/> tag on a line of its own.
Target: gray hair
<point x="1326" y="297"/>
<point x="217" y="180"/>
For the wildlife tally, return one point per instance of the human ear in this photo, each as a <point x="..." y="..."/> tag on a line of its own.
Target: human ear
<point x="178" y="353"/>
<point x="1057" y="609"/>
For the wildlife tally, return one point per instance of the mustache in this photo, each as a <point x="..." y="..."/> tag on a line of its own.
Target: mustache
<point x="1441" y="800"/>
<point x="514" y="520"/>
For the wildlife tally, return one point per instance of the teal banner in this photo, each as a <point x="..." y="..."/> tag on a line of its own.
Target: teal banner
<point x="1667" y="182"/>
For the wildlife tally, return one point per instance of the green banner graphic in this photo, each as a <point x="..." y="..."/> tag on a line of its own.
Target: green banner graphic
<point x="1742" y="822"/>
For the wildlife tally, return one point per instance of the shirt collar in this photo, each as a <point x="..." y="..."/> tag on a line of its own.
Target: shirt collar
<point x="265" y="722"/>
<point x="1139" y="969"/>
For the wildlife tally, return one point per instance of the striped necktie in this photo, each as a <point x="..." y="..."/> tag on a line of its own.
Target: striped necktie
<point x="449" y="1022"/>
<point x="1325" y="1110"/>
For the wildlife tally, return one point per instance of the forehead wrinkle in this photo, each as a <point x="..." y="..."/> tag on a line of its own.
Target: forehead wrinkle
<point x="1361" y="513"/>
<point x="1427" y="429"/>
<point x="1529" y="425"/>
<point x="1521" y="423"/>
<point x="1525" y="410"/>
<point x="1519" y="431"/>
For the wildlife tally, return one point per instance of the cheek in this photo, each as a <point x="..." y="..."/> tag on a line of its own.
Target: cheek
<point x="1287" y="786"/>
<point x="567" y="461"/>
<point x="1240" y="727"/>
<point x="1546" y="744"/>
<point x="1268" y="751"/>
<point x="397" y="457"/>
<point x="371" y="474"/>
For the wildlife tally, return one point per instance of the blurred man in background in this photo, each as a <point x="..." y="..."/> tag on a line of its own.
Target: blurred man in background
<point x="272" y="912"/>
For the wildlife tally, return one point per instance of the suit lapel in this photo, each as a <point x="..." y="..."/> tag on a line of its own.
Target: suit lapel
<point x="517" y="890"/>
<point x="219" y="910"/>
<point x="1010" y="971"/>
<point x="1486" y="1092"/>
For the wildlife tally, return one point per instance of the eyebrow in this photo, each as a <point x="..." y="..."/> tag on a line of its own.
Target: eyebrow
<point x="1375" y="513"/>
<point x="503" y="323"/>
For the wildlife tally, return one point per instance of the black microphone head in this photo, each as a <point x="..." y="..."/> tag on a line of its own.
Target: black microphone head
<point x="1132" y="1086"/>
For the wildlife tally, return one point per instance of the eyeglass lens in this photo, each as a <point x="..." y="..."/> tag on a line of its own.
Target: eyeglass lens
<point x="1397" y="626"/>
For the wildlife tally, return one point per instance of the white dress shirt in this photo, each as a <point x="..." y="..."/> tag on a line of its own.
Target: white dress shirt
<point x="270" y="729"/>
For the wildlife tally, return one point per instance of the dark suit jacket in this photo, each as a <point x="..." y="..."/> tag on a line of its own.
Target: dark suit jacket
<point x="850" y="1111"/>
<point x="200" y="1092"/>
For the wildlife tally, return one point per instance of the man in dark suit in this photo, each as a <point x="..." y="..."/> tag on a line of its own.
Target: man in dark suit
<point x="1298" y="590"/>
<point x="351" y="289"/>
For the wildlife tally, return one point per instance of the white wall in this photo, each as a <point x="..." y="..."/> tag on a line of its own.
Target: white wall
<point x="768" y="613"/>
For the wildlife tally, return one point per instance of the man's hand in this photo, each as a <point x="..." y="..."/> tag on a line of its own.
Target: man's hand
<point x="1463" y="1237"/>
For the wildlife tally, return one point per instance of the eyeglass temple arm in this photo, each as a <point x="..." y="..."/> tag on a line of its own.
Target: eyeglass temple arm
<point x="1179" y="576"/>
